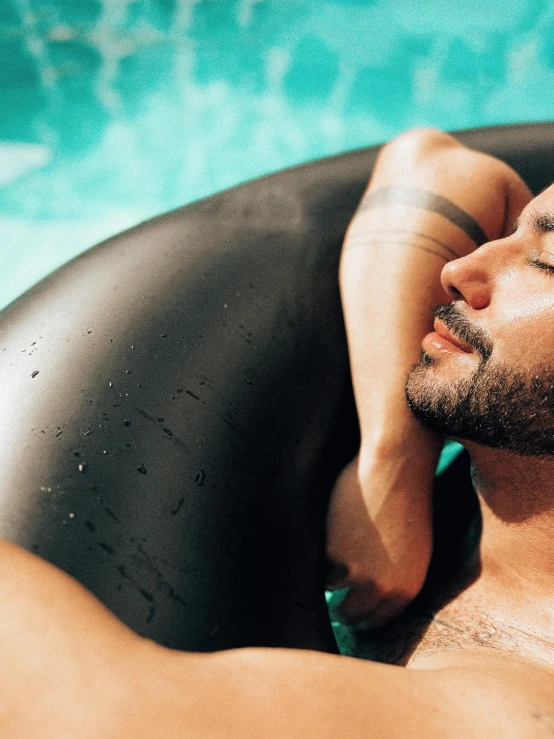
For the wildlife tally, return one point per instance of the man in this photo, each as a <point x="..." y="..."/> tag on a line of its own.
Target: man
<point x="430" y="200"/>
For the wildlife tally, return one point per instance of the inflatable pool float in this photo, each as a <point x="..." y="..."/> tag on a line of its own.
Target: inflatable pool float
<point x="177" y="404"/>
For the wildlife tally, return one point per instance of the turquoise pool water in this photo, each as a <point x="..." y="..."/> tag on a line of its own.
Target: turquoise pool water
<point x="114" y="110"/>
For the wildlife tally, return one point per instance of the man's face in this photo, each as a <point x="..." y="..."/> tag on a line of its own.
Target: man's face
<point x="497" y="386"/>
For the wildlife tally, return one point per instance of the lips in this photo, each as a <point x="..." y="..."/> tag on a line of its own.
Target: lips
<point x="443" y="331"/>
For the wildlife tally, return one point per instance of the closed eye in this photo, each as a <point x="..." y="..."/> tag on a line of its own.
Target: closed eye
<point x="534" y="261"/>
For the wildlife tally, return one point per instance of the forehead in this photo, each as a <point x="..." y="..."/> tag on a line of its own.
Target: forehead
<point x="544" y="199"/>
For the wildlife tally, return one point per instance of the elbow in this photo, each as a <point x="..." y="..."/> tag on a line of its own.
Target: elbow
<point x="418" y="144"/>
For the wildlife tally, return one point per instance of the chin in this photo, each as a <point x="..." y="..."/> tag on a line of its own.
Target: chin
<point x="450" y="365"/>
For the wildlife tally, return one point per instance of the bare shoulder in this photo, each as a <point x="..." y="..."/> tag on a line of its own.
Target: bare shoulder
<point x="258" y="692"/>
<point x="66" y="659"/>
<point x="70" y="668"/>
<point x="525" y="687"/>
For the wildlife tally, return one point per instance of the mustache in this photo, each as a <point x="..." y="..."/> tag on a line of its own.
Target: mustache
<point x="462" y="328"/>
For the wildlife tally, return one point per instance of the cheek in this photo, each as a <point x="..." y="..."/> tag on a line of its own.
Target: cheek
<point x="524" y="328"/>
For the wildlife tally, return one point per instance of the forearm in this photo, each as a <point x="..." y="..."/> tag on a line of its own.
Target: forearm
<point x="410" y="223"/>
<point x="390" y="284"/>
<point x="430" y="200"/>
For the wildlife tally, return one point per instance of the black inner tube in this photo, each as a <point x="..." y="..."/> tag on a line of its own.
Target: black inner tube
<point x="177" y="404"/>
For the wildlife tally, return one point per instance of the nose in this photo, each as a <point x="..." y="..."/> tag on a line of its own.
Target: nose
<point x="470" y="278"/>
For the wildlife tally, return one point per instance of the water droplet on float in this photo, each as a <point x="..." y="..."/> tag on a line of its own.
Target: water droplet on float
<point x="34" y="374"/>
<point x="164" y="336"/>
<point x="128" y="372"/>
<point x="105" y="451"/>
<point x="160" y="420"/>
<point x="110" y="384"/>
<point x="142" y="469"/>
<point x="82" y="467"/>
<point x="199" y="478"/>
<point x="126" y="422"/>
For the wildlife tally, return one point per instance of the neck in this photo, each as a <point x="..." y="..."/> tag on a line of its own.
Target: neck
<point x="516" y="495"/>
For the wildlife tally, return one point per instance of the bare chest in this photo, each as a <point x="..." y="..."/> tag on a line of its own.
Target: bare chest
<point x="456" y="626"/>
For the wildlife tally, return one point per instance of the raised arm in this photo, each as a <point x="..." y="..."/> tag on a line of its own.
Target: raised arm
<point x="430" y="200"/>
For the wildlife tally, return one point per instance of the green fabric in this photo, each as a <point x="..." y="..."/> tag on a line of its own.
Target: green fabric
<point x="450" y="451"/>
<point x="347" y="641"/>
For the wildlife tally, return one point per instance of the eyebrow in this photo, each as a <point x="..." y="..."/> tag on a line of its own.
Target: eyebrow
<point x="541" y="223"/>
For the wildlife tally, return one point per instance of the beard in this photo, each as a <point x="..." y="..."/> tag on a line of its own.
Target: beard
<point x="497" y="406"/>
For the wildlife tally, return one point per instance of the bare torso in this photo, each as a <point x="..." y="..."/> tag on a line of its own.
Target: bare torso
<point x="458" y="625"/>
<point x="460" y="614"/>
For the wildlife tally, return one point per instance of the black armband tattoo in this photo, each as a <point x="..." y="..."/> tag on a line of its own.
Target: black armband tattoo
<point x="427" y="201"/>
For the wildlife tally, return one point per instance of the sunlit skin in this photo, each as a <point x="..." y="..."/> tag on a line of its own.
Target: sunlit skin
<point x="70" y="668"/>
<point x="506" y="288"/>
<point x="513" y="301"/>
<point x="507" y="295"/>
<point x="379" y="523"/>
